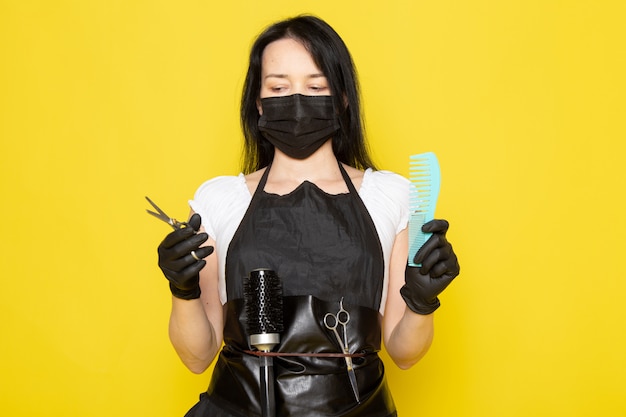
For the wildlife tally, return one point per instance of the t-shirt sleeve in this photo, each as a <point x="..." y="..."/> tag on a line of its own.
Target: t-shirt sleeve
<point x="387" y="194"/>
<point x="218" y="198"/>
<point x="222" y="203"/>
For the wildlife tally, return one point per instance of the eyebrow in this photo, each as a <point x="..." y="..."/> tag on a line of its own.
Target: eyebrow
<point x="317" y="75"/>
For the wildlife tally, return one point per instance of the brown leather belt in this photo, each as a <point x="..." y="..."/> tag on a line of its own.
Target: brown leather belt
<point x="311" y="355"/>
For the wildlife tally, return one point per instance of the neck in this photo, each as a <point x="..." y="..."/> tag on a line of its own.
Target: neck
<point x="321" y="166"/>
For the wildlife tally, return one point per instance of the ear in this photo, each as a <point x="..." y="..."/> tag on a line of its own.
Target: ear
<point x="344" y="107"/>
<point x="258" y="106"/>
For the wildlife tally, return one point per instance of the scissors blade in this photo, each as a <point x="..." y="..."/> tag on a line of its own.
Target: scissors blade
<point x="349" y="367"/>
<point x="159" y="216"/>
<point x="164" y="217"/>
<point x="352" y="376"/>
<point x="153" y="204"/>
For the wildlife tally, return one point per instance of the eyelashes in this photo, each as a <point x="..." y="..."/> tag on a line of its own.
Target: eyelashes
<point x="287" y="89"/>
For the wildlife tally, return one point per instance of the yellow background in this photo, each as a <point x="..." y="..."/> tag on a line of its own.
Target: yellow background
<point x="105" y="101"/>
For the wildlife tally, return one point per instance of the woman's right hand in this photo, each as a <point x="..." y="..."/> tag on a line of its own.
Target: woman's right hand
<point x="181" y="258"/>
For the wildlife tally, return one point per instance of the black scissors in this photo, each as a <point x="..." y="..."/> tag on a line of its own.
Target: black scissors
<point x="164" y="217"/>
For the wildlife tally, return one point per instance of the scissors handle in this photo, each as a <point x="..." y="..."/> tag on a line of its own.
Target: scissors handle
<point x="349" y="366"/>
<point x="333" y="327"/>
<point x="343" y="317"/>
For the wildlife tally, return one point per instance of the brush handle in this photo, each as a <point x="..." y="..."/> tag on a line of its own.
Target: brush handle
<point x="264" y="310"/>
<point x="266" y="375"/>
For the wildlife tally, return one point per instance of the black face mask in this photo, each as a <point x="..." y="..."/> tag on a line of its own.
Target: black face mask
<point x="298" y="125"/>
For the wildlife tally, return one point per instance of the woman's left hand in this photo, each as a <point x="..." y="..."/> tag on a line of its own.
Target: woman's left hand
<point x="439" y="266"/>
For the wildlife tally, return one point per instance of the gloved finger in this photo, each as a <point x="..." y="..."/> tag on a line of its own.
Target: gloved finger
<point x="184" y="232"/>
<point x="177" y="236"/>
<point x="436" y="226"/>
<point x="194" y="222"/>
<point x="434" y="257"/>
<point x="445" y="268"/>
<point x="183" y="247"/>
<point x="200" y="253"/>
<point x="204" y="251"/>
<point x="181" y="276"/>
<point x="194" y="269"/>
<point x="178" y="264"/>
<point x="434" y="242"/>
<point x="180" y="261"/>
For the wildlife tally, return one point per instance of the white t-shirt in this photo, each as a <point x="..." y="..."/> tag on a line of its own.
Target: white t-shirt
<point x="222" y="202"/>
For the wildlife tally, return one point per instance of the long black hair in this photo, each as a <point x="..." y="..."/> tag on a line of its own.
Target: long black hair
<point x="331" y="55"/>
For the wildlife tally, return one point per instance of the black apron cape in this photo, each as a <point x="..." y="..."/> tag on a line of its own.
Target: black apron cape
<point x="325" y="248"/>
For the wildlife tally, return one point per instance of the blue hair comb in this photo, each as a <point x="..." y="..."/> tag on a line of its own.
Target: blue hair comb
<point x="425" y="180"/>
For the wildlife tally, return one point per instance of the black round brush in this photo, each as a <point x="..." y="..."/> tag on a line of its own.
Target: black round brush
<point x="263" y="296"/>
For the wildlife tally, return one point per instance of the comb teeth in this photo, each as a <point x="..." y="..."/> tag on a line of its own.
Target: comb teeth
<point x="425" y="180"/>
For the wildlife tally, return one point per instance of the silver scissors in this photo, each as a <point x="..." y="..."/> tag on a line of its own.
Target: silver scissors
<point x="164" y="217"/>
<point x="332" y="321"/>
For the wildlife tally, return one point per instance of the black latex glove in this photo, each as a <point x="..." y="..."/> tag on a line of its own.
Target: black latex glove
<point x="178" y="264"/>
<point x="439" y="267"/>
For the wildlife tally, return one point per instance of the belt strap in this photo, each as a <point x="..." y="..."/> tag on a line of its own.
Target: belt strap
<point x="311" y="355"/>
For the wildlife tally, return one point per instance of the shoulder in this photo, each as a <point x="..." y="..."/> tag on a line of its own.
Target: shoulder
<point x="386" y="196"/>
<point x="222" y="190"/>
<point x="356" y="175"/>
<point x="385" y="184"/>
<point x="220" y="200"/>
<point x="221" y="184"/>
<point x="252" y="180"/>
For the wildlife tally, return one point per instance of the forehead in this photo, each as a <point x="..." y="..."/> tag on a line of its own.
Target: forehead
<point x="287" y="56"/>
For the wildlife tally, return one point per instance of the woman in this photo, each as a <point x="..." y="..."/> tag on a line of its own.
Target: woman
<point x="311" y="208"/>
